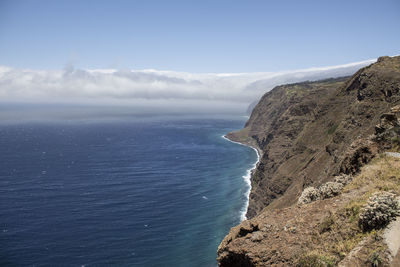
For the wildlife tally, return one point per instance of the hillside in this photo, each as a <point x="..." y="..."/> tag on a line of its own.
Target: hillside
<point x="308" y="133"/>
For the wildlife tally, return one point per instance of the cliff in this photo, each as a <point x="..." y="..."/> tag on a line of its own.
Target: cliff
<point x="307" y="134"/>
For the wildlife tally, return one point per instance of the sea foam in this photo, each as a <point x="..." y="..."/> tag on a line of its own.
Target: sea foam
<point x="247" y="179"/>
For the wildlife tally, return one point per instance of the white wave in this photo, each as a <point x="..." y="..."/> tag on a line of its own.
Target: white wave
<point x="247" y="179"/>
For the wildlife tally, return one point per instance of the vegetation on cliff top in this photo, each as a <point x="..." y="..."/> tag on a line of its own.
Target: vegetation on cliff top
<point x="322" y="233"/>
<point x="339" y="232"/>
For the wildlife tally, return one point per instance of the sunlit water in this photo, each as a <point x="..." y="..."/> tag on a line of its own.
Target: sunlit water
<point x="152" y="193"/>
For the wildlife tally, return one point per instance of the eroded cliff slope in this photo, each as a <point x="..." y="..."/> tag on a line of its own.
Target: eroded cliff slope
<point x="308" y="133"/>
<point x="304" y="130"/>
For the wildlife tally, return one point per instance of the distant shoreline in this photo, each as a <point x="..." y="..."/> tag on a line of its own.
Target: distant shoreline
<point x="247" y="177"/>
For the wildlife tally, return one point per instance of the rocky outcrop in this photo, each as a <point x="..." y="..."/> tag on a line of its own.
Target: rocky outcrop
<point x="307" y="134"/>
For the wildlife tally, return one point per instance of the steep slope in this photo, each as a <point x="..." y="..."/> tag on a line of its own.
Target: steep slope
<point x="322" y="233"/>
<point x="308" y="133"/>
<point x="304" y="130"/>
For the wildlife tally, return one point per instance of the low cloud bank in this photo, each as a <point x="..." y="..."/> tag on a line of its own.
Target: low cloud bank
<point x="146" y="91"/>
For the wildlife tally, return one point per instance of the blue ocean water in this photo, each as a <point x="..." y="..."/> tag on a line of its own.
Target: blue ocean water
<point x="160" y="192"/>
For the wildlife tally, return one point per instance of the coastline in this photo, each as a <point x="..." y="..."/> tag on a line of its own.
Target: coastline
<point x="247" y="177"/>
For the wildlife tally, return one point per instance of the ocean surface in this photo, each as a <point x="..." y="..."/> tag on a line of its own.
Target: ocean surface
<point x="157" y="192"/>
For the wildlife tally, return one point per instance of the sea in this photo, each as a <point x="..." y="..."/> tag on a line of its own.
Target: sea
<point x="144" y="192"/>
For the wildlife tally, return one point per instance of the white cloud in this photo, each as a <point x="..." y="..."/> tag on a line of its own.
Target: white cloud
<point x="166" y="90"/>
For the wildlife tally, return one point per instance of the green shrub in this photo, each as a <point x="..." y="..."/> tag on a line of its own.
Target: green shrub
<point x="375" y="259"/>
<point x="326" y="224"/>
<point x="316" y="260"/>
<point x="332" y="129"/>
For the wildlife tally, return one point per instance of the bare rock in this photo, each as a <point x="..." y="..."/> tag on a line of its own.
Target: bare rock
<point x="360" y="153"/>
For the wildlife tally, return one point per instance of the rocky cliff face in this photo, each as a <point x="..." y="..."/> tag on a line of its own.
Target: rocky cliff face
<point x="307" y="133"/>
<point x="304" y="130"/>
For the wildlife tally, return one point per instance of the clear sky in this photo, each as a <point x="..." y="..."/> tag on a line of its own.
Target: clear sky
<point x="196" y="36"/>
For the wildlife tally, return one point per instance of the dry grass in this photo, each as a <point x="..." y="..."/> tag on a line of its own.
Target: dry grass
<point x="339" y="233"/>
<point x="316" y="259"/>
<point x="382" y="174"/>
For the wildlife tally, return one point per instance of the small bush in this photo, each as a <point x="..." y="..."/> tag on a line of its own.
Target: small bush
<point x="375" y="259"/>
<point x="353" y="211"/>
<point x="327" y="190"/>
<point x="330" y="189"/>
<point x="343" y="179"/>
<point x="309" y="195"/>
<point x="326" y="224"/>
<point x="316" y="260"/>
<point x="382" y="208"/>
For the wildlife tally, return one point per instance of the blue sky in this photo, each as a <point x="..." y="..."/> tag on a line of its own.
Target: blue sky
<point x="196" y="36"/>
